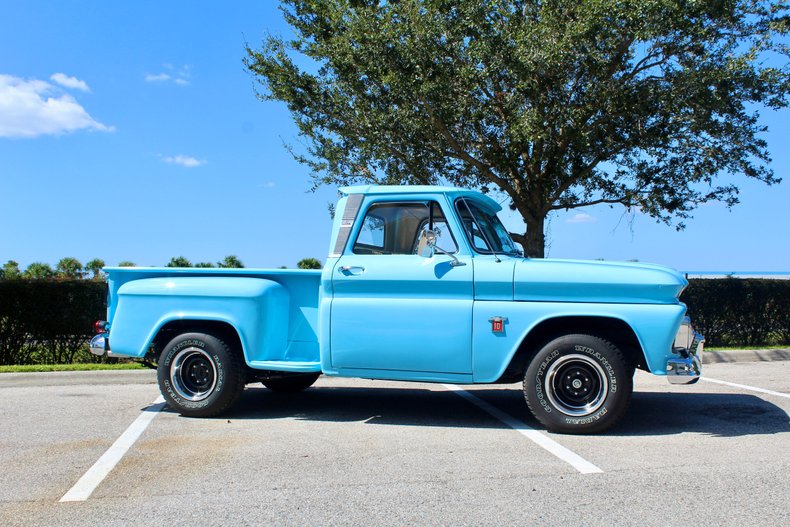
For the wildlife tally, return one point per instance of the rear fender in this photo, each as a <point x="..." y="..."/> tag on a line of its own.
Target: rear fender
<point x="256" y="308"/>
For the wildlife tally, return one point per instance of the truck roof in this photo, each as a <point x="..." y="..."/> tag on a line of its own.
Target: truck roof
<point x="454" y="192"/>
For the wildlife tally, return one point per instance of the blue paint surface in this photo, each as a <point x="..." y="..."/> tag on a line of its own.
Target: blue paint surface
<point x="397" y="316"/>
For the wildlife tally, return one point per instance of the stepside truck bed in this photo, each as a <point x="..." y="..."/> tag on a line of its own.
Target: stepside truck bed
<point x="273" y="311"/>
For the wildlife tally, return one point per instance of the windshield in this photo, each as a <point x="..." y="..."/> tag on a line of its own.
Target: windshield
<point x="483" y="229"/>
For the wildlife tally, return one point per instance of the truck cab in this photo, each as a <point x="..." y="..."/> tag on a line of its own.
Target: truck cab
<point x="421" y="283"/>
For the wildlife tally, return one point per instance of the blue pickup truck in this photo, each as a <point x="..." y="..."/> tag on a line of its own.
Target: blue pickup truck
<point x="422" y="283"/>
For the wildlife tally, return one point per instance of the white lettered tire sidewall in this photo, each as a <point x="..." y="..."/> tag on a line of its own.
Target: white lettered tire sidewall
<point x="601" y="389"/>
<point x="224" y="375"/>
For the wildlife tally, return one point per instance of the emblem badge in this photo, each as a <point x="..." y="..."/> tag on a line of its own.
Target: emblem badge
<point x="497" y="324"/>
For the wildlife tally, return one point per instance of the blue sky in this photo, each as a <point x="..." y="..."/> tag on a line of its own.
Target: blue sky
<point x="131" y="131"/>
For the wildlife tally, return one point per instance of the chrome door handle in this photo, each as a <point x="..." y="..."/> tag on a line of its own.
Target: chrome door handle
<point x="350" y="268"/>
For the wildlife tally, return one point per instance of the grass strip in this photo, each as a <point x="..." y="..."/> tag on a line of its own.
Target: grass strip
<point x="745" y="348"/>
<point x="31" y="368"/>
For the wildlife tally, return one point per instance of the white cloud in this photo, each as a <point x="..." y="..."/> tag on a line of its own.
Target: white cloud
<point x="31" y="108"/>
<point x="178" y="76"/>
<point x="70" y="82"/>
<point x="184" y="161"/>
<point x="581" y="217"/>
<point x="160" y="77"/>
<point x="268" y="184"/>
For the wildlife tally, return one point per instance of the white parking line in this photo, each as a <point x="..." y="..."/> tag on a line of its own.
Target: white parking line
<point x="744" y="387"/>
<point x="82" y="490"/>
<point x="573" y="459"/>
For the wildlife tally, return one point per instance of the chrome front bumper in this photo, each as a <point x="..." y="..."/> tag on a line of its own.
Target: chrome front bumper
<point x="686" y="368"/>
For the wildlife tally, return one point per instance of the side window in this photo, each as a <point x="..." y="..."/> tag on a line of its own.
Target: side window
<point x="372" y="233"/>
<point x="395" y="228"/>
<point x="473" y="230"/>
<point x="477" y="237"/>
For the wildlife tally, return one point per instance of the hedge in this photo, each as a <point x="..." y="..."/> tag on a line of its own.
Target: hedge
<point x="50" y="321"/>
<point x="740" y="311"/>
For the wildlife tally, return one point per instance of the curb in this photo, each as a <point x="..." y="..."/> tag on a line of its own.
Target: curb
<point x="64" y="378"/>
<point x="714" y="357"/>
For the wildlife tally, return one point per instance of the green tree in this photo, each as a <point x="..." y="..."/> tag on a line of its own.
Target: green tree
<point x="309" y="263"/>
<point x="95" y="266"/>
<point x="38" y="271"/>
<point x="230" y="262"/>
<point x="127" y="263"/>
<point x="204" y="265"/>
<point x="69" y="268"/>
<point x="10" y="270"/>
<point x="558" y="104"/>
<point x="179" y="261"/>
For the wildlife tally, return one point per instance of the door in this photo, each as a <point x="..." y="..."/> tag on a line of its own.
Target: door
<point x="393" y="309"/>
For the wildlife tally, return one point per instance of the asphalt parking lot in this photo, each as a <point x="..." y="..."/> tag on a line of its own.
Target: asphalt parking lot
<point x="357" y="452"/>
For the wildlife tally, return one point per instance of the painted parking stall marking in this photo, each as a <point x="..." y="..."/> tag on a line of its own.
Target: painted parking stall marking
<point x="540" y="439"/>
<point x="745" y="387"/>
<point x="82" y="490"/>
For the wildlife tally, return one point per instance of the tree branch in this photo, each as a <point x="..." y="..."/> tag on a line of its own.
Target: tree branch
<point x="620" y="52"/>
<point x="459" y="151"/>
<point x="642" y="65"/>
<point x="621" y="201"/>
<point x="575" y="178"/>
<point x="406" y="160"/>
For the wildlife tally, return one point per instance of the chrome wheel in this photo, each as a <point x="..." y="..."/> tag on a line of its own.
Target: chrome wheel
<point x="576" y="385"/>
<point x="193" y="373"/>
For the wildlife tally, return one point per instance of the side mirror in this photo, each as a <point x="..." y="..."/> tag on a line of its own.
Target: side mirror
<point x="427" y="248"/>
<point x="427" y="245"/>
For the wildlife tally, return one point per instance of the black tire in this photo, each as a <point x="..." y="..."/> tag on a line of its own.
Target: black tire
<point x="199" y="375"/>
<point x="291" y="383"/>
<point x="595" y="390"/>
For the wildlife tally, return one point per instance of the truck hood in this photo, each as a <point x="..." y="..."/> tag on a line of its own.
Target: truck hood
<point x="594" y="281"/>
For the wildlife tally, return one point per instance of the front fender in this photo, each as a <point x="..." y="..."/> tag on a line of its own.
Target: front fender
<point x="655" y="326"/>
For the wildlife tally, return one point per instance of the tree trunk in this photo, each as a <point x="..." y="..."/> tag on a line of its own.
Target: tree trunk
<point x="534" y="240"/>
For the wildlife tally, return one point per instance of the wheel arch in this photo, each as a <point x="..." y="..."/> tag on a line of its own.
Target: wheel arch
<point x="613" y="329"/>
<point x="221" y="329"/>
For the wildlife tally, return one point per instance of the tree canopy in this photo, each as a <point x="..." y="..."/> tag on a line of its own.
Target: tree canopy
<point x="178" y="261"/>
<point x="38" y="271"/>
<point x="10" y="270"/>
<point x="95" y="267"/>
<point x="69" y="268"/>
<point x="230" y="262"/>
<point x="558" y="104"/>
<point x="309" y="263"/>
